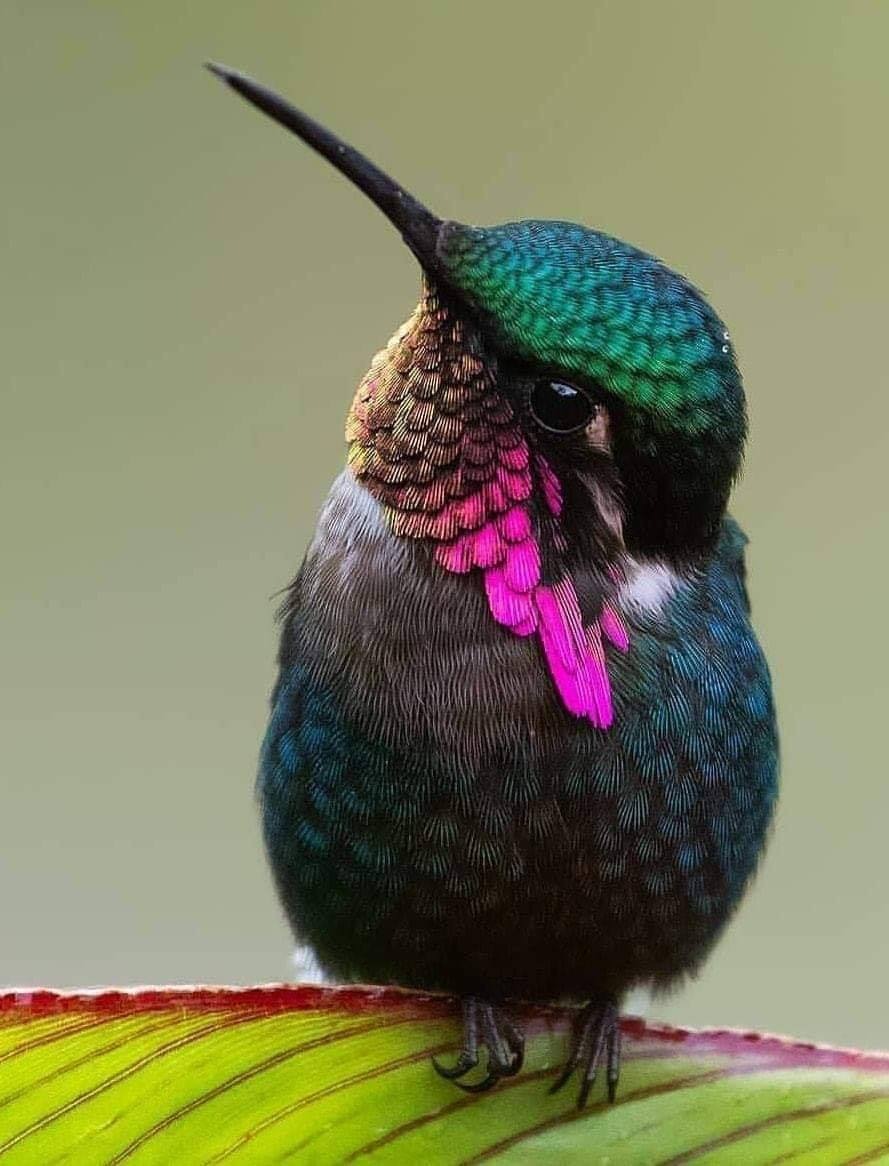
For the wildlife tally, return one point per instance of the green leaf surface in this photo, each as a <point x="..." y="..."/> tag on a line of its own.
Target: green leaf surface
<point x="335" y="1075"/>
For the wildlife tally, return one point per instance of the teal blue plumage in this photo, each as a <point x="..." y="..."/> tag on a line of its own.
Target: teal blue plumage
<point x="623" y="857"/>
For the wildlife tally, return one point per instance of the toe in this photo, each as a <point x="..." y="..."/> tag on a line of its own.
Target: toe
<point x="464" y="1063"/>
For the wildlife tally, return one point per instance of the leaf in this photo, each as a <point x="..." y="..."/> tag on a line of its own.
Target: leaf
<point x="335" y="1075"/>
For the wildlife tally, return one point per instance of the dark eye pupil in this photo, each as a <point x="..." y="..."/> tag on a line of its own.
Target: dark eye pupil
<point x="559" y="406"/>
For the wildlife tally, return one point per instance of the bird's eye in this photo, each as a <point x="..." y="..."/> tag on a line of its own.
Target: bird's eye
<point x="560" y="407"/>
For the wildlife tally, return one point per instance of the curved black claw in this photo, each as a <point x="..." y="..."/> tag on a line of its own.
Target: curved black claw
<point x="596" y="1034"/>
<point x="485" y="1026"/>
<point x="465" y="1062"/>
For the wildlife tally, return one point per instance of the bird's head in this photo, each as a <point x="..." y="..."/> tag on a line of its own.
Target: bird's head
<point x="591" y="328"/>
<point x="558" y="403"/>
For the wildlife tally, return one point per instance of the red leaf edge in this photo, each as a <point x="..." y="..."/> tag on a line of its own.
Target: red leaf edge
<point x="275" y="998"/>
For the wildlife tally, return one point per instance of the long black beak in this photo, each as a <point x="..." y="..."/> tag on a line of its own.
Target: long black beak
<point x="418" y="226"/>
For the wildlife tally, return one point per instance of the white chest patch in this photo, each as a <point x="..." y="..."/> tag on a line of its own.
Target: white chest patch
<point x="307" y="968"/>
<point x="650" y="585"/>
<point x="350" y="515"/>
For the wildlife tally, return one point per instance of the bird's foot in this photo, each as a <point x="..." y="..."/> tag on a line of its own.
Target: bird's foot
<point x="485" y="1026"/>
<point x="596" y="1037"/>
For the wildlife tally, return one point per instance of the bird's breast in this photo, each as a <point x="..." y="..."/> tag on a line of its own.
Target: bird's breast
<point x="410" y="650"/>
<point x="420" y="764"/>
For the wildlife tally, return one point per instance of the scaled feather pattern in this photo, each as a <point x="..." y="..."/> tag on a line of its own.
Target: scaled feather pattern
<point x="443" y="451"/>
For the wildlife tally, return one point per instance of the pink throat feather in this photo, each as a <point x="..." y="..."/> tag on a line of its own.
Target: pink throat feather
<point x="505" y="549"/>
<point x="435" y="442"/>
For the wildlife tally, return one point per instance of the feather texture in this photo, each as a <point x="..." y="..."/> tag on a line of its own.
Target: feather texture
<point x="439" y="444"/>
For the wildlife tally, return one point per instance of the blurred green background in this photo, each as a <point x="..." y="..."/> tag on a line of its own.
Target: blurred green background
<point x="190" y="297"/>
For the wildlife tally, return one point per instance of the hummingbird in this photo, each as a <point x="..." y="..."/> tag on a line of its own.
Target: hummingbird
<point x="522" y="743"/>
